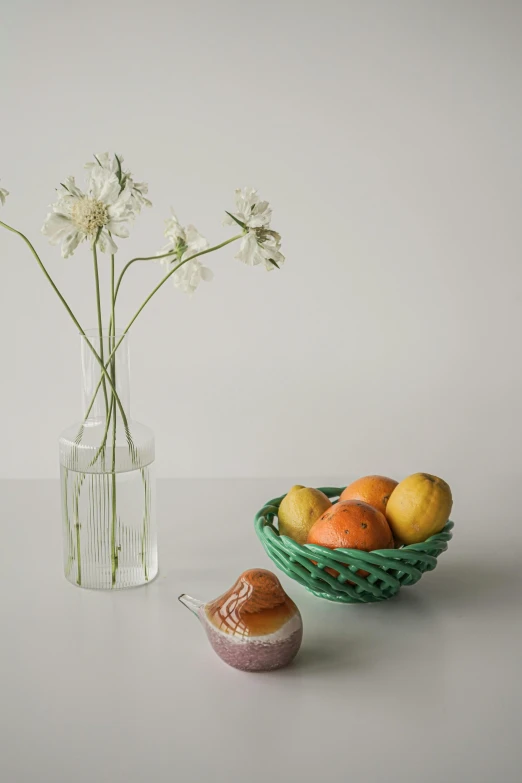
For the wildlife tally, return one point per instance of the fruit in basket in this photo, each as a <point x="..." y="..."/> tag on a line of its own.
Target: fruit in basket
<point x="374" y="490"/>
<point x="352" y="524"/>
<point x="299" y="510"/>
<point x="418" y="508"/>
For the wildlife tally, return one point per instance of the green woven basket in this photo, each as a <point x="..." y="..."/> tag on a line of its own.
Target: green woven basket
<point x="388" y="569"/>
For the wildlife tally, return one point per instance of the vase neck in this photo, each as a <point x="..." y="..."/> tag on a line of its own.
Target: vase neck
<point x="119" y="371"/>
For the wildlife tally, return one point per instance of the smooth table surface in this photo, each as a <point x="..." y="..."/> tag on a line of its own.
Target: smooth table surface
<point x="123" y="687"/>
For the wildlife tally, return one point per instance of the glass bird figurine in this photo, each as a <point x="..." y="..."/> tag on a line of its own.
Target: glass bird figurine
<point x="254" y="626"/>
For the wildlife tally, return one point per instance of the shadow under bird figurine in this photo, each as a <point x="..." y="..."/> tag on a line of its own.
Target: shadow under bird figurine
<point x="254" y="626"/>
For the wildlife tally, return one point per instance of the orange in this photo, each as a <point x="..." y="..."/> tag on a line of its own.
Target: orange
<point x="354" y="525"/>
<point x="374" y="490"/>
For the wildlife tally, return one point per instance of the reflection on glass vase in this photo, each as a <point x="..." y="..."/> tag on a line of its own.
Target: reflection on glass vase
<point x="107" y="477"/>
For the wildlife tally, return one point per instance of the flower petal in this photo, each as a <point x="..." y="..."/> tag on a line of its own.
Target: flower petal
<point x="71" y="242"/>
<point x="103" y="185"/>
<point x="272" y="259"/>
<point x="249" y="250"/>
<point x="106" y="242"/>
<point x="195" y="241"/>
<point x="69" y="188"/>
<point x="56" y="227"/>
<point x="206" y="274"/>
<point x="138" y="191"/>
<point x="103" y="159"/>
<point x="174" y="230"/>
<point x="260" y="216"/>
<point x="118" y="227"/>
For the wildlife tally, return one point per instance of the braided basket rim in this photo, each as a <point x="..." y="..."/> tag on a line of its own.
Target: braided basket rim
<point x="387" y="569"/>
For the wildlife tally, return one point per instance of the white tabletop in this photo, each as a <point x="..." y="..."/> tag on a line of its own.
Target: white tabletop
<point x="123" y="687"/>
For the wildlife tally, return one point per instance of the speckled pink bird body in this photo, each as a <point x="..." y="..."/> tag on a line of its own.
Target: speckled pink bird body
<point x="254" y="626"/>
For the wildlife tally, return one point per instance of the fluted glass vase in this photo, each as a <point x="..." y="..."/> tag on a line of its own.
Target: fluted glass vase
<point x="107" y="478"/>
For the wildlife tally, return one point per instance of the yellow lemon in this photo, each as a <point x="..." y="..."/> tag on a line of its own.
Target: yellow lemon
<point x="418" y="508"/>
<point x="298" y="511"/>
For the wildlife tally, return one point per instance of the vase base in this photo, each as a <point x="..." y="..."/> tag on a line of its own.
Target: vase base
<point x="107" y="586"/>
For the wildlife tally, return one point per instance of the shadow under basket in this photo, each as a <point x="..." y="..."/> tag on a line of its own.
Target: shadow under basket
<point x="388" y="569"/>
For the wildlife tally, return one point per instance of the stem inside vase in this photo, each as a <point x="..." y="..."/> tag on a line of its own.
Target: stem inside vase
<point x="107" y="486"/>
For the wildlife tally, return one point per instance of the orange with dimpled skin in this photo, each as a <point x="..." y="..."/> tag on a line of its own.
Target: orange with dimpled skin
<point x="352" y="524"/>
<point x="374" y="490"/>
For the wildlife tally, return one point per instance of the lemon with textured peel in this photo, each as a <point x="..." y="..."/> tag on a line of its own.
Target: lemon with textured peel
<point x="418" y="508"/>
<point x="299" y="509"/>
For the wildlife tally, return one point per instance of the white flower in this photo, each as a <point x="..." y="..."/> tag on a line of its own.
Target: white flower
<point x="176" y="236"/>
<point x="251" y="212"/>
<point x="182" y="244"/>
<point x="77" y="216"/>
<point x="3" y="195"/>
<point x="114" y="164"/>
<point x="260" y="244"/>
<point x="189" y="276"/>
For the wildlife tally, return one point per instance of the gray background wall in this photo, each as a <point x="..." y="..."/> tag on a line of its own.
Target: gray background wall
<point x="387" y="137"/>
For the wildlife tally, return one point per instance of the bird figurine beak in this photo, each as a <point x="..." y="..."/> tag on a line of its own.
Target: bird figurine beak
<point x="191" y="603"/>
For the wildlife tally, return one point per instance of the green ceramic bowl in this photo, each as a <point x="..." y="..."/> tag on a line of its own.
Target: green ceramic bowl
<point x="388" y="569"/>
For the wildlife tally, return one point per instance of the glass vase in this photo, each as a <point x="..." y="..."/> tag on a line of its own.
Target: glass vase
<point x="107" y="478"/>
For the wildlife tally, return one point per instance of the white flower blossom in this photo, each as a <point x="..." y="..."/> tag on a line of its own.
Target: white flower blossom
<point x="182" y="244"/>
<point x="3" y="195"/>
<point x="105" y="209"/>
<point x="114" y="164"/>
<point x="260" y="245"/>
<point x="189" y="276"/>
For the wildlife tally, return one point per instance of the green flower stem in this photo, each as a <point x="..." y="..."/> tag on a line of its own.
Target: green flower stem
<point x="129" y="264"/>
<point x="132" y="261"/>
<point x="147" y="300"/>
<point x="114" y="514"/>
<point x="79" y="557"/>
<point x="101" y="448"/>
<point x="73" y="318"/>
<point x="103" y="443"/>
<point x="162" y="282"/>
<point x="100" y="322"/>
<point x="76" y="510"/>
<point x="146" y="522"/>
<point x="113" y="293"/>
